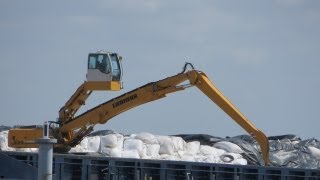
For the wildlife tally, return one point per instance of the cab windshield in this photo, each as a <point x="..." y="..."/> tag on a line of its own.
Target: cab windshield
<point x="100" y="62"/>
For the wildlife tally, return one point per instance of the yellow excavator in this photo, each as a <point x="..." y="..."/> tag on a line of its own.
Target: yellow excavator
<point x="104" y="73"/>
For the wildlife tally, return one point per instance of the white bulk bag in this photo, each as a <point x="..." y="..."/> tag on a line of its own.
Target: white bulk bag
<point x="109" y="141"/>
<point x="178" y="143"/>
<point x="134" y="144"/>
<point x="93" y="143"/>
<point x="153" y="150"/>
<point x="112" y="152"/>
<point x="147" y="138"/>
<point x="84" y="143"/>
<point x="130" y="154"/>
<point x="315" y="152"/>
<point x="193" y="147"/>
<point x="4" y="141"/>
<point x="166" y="147"/>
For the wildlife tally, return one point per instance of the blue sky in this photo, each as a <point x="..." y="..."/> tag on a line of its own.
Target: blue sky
<point x="263" y="55"/>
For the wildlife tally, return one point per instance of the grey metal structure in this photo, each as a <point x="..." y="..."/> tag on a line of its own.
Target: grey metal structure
<point x="70" y="166"/>
<point x="45" y="154"/>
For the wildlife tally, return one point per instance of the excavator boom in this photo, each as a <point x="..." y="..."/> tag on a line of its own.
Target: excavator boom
<point x="156" y="90"/>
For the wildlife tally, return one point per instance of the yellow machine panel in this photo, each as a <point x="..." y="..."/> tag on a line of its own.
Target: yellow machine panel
<point x="103" y="85"/>
<point x="24" y="138"/>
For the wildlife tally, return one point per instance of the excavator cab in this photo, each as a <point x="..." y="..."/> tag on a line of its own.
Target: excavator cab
<point x="104" y="66"/>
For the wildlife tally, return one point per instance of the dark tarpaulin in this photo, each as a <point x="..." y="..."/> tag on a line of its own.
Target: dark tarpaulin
<point x="285" y="150"/>
<point x="250" y="147"/>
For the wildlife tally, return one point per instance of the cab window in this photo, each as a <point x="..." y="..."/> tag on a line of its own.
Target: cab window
<point x="116" y="71"/>
<point x="92" y="64"/>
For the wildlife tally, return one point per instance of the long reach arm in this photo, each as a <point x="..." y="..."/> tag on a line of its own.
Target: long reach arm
<point x="154" y="91"/>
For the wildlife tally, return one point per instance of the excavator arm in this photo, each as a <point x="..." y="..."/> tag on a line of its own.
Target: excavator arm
<point x="68" y="111"/>
<point x="157" y="90"/>
<point x="208" y="88"/>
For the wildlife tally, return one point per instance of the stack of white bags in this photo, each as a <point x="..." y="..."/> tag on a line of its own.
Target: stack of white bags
<point x="149" y="146"/>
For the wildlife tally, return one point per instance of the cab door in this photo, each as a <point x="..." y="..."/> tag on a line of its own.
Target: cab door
<point x="116" y="68"/>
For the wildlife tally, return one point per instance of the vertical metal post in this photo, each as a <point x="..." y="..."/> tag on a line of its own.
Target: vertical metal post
<point x="45" y="154"/>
